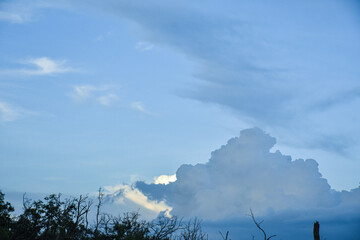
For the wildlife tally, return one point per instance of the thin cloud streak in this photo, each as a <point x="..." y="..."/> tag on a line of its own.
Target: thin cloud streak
<point x="11" y="17"/>
<point x="139" y="106"/>
<point x="41" y="66"/>
<point x="47" y="66"/>
<point x="23" y="11"/>
<point x="107" y="99"/>
<point x="144" y="46"/>
<point x="8" y="113"/>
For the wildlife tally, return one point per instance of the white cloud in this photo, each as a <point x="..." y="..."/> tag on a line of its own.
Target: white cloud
<point x="144" y="46"/>
<point x="83" y="92"/>
<point x="244" y="174"/>
<point x="100" y="94"/>
<point x="46" y="66"/>
<point x="23" y="11"/>
<point x="40" y="66"/>
<point x="165" y="179"/>
<point x="8" y="113"/>
<point x="139" y="106"/>
<point x="107" y="99"/>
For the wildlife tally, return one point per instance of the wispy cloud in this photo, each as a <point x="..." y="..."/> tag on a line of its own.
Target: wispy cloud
<point x="144" y="46"/>
<point x="39" y="66"/>
<point x="102" y="37"/>
<point x="139" y="106"/>
<point x="11" y="17"/>
<point x="45" y="66"/>
<point x="246" y="62"/>
<point x="100" y="94"/>
<point x="83" y="92"/>
<point x="103" y="95"/>
<point x="107" y="99"/>
<point x="8" y="113"/>
<point x="23" y="11"/>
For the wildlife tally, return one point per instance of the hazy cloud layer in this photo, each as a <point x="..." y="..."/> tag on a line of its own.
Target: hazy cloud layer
<point x="267" y="62"/>
<point x="290" y="68"/>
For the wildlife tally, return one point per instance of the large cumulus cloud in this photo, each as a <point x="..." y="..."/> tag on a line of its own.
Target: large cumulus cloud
<point x="245" y="174"/>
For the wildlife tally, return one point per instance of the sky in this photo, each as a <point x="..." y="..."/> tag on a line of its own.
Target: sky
<point x="117" y="93"/>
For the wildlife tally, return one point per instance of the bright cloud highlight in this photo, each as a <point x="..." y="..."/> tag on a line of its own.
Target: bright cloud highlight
<point x="165" y="179"/>
<point x="123" y="193"/>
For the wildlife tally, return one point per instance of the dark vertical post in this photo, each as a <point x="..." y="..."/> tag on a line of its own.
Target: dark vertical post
<point x="316" y="231"/>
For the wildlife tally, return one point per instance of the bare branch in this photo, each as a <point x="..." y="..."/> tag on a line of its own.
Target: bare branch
<point x="98" y="206"/>
<point x="271" y="237"/>
<point x="226" y="236"/>
<point x="164" y="227"/>
<point x="258" y="225"/>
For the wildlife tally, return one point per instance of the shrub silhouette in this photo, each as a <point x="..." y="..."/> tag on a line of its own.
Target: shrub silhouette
<point x="67" y="219"/>
<point x="5" y="220"/>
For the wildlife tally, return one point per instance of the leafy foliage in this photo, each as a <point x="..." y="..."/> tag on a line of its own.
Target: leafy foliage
<point x="59" y="219"/>
<point x="5" y="220"/>
<point x="67" y="219"/>
<point x="52" y="219"/>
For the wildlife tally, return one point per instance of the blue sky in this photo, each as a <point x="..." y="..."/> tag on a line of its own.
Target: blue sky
<point x="102" y="93"/>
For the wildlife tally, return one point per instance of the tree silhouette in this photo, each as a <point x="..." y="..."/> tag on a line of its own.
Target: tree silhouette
<point x="5" y="220"/>
<point x="66" y="219"/>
